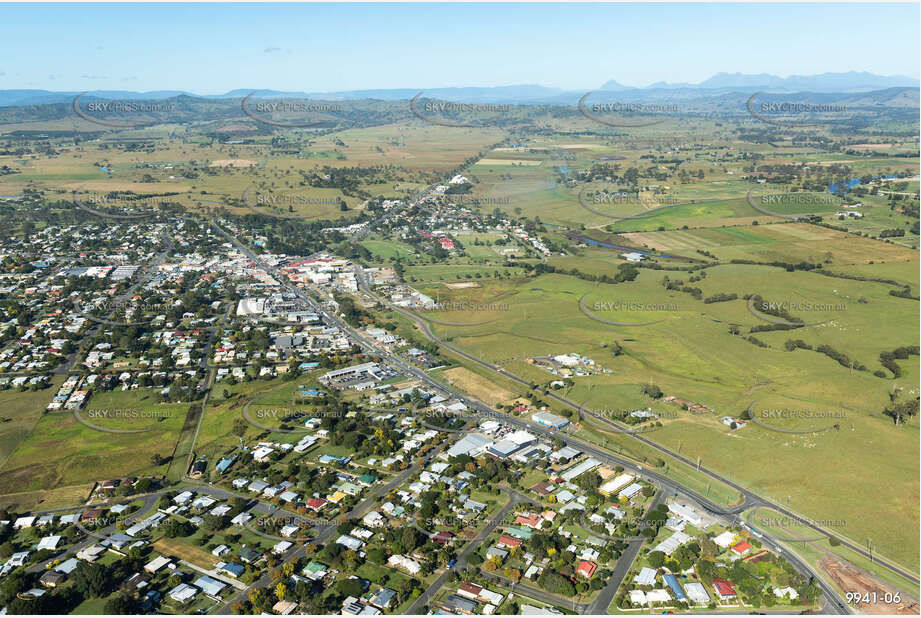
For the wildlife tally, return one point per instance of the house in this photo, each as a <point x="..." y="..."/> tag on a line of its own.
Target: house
<point x="531" y="520"/>
<point x="51" y="579"/>
<point x="469" y="590"/>
<point x="383" y="598"/>
<point x="315" y="504"/>
<point x="314" y="570"/>
<point x="156" y="564"/>
<point x="741" y="548"/>
<point x="637" y="597"/>
<point x="250" y="555"/>
<point x="787" y="592"/>
<point x="374" y="520"/>
<point x="220" y="550"/>
<point x="507" y="542"/>
<point x="404" y="562"/>
<point x="136" y="582"/>
<point x="26" y="522"/>
<point x="724" y="539"/>
<point x="48" y="542"/>
<point x="284" y="608"/>
<point x="183" y="593"/>
<point x="587" y="568"/>
<point x="350" y="542"/>
<point x="672" y="582"/>
<point x="456" y="604"/>
<point x="696" y="593"/>
<point x="616" y="484"/>
<point x="233" y="569"/>
<point x="659" y="595"/>
<point x="646" y="577"/>
<point x="209" y="585"/>
<point x="725" y="589"/>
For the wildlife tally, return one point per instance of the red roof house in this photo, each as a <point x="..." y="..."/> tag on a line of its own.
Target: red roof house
<point x="741" y="547"/>
<point x="508" y="541"/>
<point x="725" y="589"/>
<point x="587" y="568"/>
<point x="316" y="503"/>
<point x="532" y="520"/>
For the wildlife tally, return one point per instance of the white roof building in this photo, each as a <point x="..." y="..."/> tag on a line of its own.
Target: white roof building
<point x="638" y="597"/>
<point x="646" y="577"/>
<point x="724" y="539"/>
<point x="696" y="593"/>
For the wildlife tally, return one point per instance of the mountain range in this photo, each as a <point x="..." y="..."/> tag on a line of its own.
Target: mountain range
<point x="525" y="94"/>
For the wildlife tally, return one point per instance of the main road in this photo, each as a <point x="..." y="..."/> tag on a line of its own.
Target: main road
<point x="750" y="499"/>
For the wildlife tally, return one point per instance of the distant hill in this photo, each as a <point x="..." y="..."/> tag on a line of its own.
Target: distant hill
<point x="525" y="94"/>
<point x="852" y="81"/>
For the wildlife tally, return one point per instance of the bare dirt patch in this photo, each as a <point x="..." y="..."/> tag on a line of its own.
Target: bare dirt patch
<point x="462" y="285"/>
<point x="851" y="579"/>
<point x="477" y="385"/>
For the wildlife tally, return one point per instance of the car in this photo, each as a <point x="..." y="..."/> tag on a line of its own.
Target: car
<point x="452" y="562"/>
<point x="402" y="410"/>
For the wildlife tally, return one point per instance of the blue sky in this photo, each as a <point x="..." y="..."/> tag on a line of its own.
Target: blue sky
<point x="212" y="48"/>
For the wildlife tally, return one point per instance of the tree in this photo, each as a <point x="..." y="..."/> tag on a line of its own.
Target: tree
<point x="91" y="580"/>
<point x="350" y="587"/>
<point x="656" y="559"/>
<point x="281" y="590"/>
<point x="239" y="427"/>
<point x="121" y="604"/>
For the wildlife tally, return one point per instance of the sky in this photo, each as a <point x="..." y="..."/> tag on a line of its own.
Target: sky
<point x="212" y="48"/>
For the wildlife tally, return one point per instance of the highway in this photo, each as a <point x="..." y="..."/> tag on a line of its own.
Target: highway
<point x="750" y="499"/>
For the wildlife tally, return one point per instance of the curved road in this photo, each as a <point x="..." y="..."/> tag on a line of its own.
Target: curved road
<point x="750" y="499"/>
